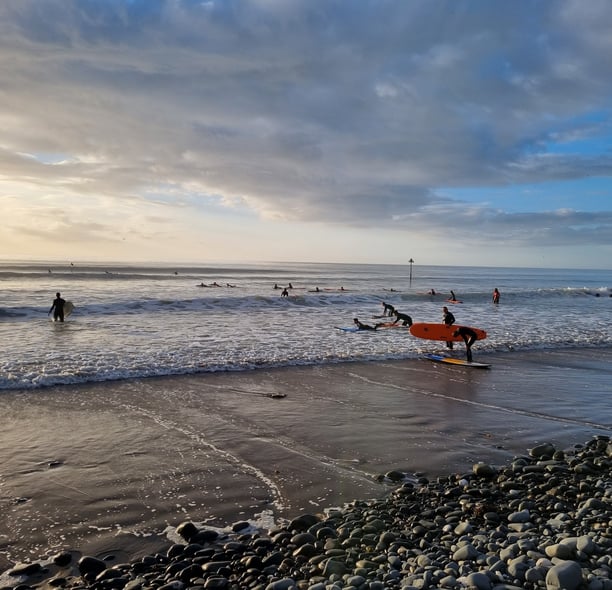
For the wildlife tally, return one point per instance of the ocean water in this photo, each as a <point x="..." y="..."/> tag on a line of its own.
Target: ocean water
<point x="142" y="321"/>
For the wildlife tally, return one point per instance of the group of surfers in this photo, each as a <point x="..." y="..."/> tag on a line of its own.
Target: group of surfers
<point x="467" y="334"/>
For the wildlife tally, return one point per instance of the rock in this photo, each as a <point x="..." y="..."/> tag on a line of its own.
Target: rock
<point x="91" y="565"/>
<point x="564" y="576"/>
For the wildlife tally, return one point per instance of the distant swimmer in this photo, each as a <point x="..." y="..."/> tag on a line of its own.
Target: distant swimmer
<point x="432" y="292"/>
<point x="449" y="319"/>
<point x="402" y="317"/>
<point x="285" y="293"/>
<point x="388" y="309"/>
<point x="276" y="286"/>
<point x="362" y="326"/>
<point x="57" y="307"/>
<point x="469" y="337"/>
<point x="290" y="286"/>
<point x="495" y="295"/>
<point x="215" y="284"/>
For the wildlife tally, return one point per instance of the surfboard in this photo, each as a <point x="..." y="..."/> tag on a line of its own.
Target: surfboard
<point x="454" y="301"/>
<point x="391" y="325"/>
<point x="351" y="329"/>
<point x="68" y="307"/>
<point x="441" y="332"/>
<point x="438" y="358"/>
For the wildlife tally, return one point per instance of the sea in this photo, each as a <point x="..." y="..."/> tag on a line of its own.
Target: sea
<point x="137" y="321"/>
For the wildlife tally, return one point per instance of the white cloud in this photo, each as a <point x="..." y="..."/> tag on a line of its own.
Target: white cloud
<point x="352" y="115"/>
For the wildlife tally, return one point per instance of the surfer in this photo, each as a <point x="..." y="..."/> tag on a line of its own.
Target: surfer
<point x="388" y="309"/>
<point x="495" y="295"/>
<point x="469" y="337"/>
<point x="449" y="320"/>
<point x="361" y="326"/>
<point x="57" y="307"/>
<point x="452" y="296"/>
<point x="432" y="292"/>
<point x="285" y="293"/>
<point x="403" y="317"/>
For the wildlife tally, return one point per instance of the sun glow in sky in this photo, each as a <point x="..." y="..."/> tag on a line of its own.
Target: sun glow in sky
<point x="472" y="132"/>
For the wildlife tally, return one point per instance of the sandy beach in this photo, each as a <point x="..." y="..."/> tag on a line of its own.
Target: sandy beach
<point x="108" y="467"/>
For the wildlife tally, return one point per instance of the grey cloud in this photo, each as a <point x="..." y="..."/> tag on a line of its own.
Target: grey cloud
<point x="348" y="113"/>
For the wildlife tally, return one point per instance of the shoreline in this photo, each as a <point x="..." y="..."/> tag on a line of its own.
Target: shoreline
<point x="107" y="467"/>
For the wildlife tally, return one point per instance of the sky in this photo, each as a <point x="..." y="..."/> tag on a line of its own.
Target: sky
<point x="454" y="132"/>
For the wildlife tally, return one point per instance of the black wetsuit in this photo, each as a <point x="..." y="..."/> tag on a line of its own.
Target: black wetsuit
<point x="58" y="309"/>
<point x="449" y="320"/>
<point x="404" y="318"/>
<point x="361" y="326"/>
<point x="469" y="337"/>
<point x="388" y="309"/>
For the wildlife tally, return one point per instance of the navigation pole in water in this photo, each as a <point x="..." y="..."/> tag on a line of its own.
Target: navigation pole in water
<point x="411" y="262"/>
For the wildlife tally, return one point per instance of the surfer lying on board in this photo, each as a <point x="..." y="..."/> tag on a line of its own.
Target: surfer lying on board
<point x="361" y="326"/>
<point x="388" y="309"/>
<point x="402" y="317"/>
<point x="449" y="320"/>
<point x="57" y="307"/>
<point x="469" y="337"/>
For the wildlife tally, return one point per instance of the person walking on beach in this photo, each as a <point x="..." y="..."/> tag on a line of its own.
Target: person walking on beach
<point x="361" y="326"/>
<point x="469" y="337"/>
<point x="57" y="307"/>
<point x="402" y="317"/>
<point x="449" y="320"/>
<point x="495" y="295"/>
<point x="388" y="309"/>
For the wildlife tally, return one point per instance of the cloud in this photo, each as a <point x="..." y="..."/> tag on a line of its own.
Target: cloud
<point x="354" y="114"/>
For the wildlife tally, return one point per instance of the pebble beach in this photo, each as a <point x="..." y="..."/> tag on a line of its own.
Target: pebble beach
<point x="542" y="521"/>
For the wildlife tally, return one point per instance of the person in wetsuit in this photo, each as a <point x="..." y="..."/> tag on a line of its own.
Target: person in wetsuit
<point x="402" y="317"/>
<point x="449" y="320"/>
<point x="496" y="295"/>
<point x="469" y="337"/>
<point x="388" y="309"/>
<point x="57" y="307"/>
<point x="362" y="326"/>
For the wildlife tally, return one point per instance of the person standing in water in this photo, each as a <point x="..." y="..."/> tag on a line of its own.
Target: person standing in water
<point x="469" y="337"/>
<point x="57" y="307"/>
<point x="495" y="295"/>
<point x="402" y="317"/>
<point x="388" y="309"/>
<point x="449" y="320"/>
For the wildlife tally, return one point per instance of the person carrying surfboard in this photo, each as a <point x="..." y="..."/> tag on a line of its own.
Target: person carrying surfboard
<point x="57" y="307"/>
<point x="449" y="320"/>
<point x="469" y="337"/>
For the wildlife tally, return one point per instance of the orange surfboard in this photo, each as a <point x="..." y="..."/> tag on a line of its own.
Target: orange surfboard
<point x="441" y="332"/>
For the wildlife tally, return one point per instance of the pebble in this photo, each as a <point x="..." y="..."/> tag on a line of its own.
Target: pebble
<point x="543" y="522"/>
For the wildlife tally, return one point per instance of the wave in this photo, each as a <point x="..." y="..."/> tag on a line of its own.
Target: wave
<point x="213" y="301"/>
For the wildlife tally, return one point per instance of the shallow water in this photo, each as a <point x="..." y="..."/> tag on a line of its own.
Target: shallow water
<point x="132" y="322"/>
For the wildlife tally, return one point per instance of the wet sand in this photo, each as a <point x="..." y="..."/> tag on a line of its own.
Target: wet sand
<point x="107" y="467"/>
